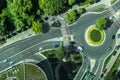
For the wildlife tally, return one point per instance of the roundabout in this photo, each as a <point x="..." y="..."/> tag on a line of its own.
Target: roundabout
<point x="94" y="37"/>
<point x="99" y="50"/>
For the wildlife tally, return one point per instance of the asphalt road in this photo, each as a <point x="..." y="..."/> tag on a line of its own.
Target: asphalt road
<point x="78" y="30"/>
<point x="24" y="48"/>
<point x="85" y="67"/>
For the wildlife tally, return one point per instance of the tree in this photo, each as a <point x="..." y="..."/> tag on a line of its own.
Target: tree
<point x="19" y="11"/>
<point x="71" y="15"/>
<point x="51" y="7"/>
<point x="67" y="17"/>
<point x="101" y="23"/>
<point x="2" y="27"/>
<point x="36" y="27"/>
<point x="3" y="16"/>
<point x="79" y="10"/>
<point x="70" y="2"/>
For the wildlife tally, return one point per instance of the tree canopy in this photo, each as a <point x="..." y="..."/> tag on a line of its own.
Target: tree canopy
<point x="37" y="27"/>
<point x="71" y="15"/>
<point x="19" y="10"/>
<point x="70" y="2"/>
<point x="101" y="23"/>
<point x="51" y="7"/>
<point x="79" y="10"/>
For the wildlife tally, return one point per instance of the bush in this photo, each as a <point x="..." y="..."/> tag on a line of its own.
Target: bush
<point x="101" y="23"/>
<point x="71" y="15"/>
<point x="95" y="35"/>
<point x="79" y="10"/>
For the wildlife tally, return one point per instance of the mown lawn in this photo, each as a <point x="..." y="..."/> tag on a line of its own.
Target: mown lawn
<point x="34" y="73"/>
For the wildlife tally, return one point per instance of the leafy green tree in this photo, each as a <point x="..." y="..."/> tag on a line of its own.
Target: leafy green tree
<point x="70" y="2"/>
<point x="67" y="17"/>
<point x="79" y="10"/>
<point x="71" y="15"/>
<point x="51" y="7"/>
<point x="101" y="23"/>
<point x="19" y="10"/>
<point x="3" y="17"/>
<point x="2" y="27"/>
<point x="37" y="27"/>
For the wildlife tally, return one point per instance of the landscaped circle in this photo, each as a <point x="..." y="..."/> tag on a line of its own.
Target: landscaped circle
<point x="94" y="37"/>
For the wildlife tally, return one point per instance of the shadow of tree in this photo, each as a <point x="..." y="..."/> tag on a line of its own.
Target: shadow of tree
<point x="109" y="23"/>
<point x="46" y="27"/>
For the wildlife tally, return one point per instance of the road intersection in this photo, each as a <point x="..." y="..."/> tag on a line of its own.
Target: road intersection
<point x="23" y="49"/>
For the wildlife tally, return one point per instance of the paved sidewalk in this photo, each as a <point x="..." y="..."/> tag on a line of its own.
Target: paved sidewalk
<point x="23" y="35"/>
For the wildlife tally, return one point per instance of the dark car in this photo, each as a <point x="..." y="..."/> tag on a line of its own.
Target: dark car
<point x="114" y="53"/>
<point x="56" y="45"/>
<point x="72" y="42"/>
<point x="58" y="24"/>
<point x="101" y="76"/>
<point x="113" y="37"/>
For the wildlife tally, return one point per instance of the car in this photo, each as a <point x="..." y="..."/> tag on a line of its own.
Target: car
<point x="117" y="47"/>
<point x="80" y="48"/>
<point x="40" y="48"/>
<point x="113" y="36"/>
<point x="118" y="36"/>
<point x="55" y="45"/>
<point x="109" y="48"/>
<point x="111" y="18"/>
<point x="114" y="53"/>
<point x="6" y="60"/>
<point x="101" y="76"/>
<point x="72" y="42"/>
<point x="104" y="71"/>
<point x="58" y="24"/>
<point x="12" y="62"/>
<point x="52" y="19"/>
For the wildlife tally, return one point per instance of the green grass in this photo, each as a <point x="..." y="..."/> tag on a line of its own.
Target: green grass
<point x="77" y="57"/>
<point x="95" y="35"/>
<point x="111" y="74"/>
<point x="34" y="73"/>
<point x="107" y="60"/>
<point x="19" y="74"/>
<point x="54" y="53"/>
<point x="3" y="76"/>
<point x="98" y="10"/>
<point x="113" y="1"/>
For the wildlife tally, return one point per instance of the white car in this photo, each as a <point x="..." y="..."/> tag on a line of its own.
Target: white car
<point x="40" y="48"/>
<point x="6" y="60"/>
<point x="12" y="62"/>
<point x="80" y="48"/>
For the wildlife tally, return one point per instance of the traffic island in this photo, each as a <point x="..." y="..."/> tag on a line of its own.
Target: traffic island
<point x="94" y="37"/>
